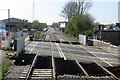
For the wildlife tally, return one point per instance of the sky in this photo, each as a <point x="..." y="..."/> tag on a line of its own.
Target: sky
<point x="48" y="11"/>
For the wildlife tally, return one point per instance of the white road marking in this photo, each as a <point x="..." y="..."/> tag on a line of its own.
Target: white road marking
<point x="106" y="53"/>
<point x="60" y="51"/>
<point x="33" y="47"/>
<point x="90" y="51"/>
<point x="100" y="58"/>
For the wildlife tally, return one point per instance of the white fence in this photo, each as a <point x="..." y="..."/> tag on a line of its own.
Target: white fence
<point x="106" y="46"/>
<point x="82" y="39"/>
<point x="19" y="44"/>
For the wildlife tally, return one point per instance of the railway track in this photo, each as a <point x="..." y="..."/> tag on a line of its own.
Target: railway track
<point x="98" y="72"/>
<point x="42" y="68"/>
<point x="37" y="67"/>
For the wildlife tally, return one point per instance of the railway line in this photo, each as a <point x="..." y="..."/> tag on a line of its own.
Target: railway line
<point x="98" y="71"/>
<point x="55" y="60"/>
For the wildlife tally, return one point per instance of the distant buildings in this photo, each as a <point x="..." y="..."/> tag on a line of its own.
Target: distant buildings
<point x="62" y="26"/>
<point x="12" y="24"/>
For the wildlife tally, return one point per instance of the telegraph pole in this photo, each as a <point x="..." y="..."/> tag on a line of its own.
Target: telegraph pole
<point x="33" y="9"/>
<point x="8" y="19"/>
<point x="8" y="14"/>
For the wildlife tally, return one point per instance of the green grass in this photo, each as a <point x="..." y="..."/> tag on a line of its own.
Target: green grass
<point x="9" y="55"/>
<point x="5" y="67"/>
<point x="9" y="51"/>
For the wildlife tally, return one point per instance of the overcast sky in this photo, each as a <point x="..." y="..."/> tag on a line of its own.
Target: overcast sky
<point x="48" y="11"/>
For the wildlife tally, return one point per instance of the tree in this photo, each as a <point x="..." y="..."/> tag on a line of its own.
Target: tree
<point x="75" y="7"/>
<point x="43" y="25"/>
<point x="80" y="24"/>
<point x="83" y="6"/>
<point x="55" y="25"/>
<point x="69" y="10"/>
<point x="79" y="21"/>
<point x="36" y="25"/>
<point x="27" y="25"/>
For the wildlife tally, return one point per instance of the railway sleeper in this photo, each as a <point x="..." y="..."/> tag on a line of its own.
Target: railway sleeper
<point x="115" y="70"/>
<point x="42" y="68"/>
<point x="67" y="69"/>
<point x="95" y="72"/>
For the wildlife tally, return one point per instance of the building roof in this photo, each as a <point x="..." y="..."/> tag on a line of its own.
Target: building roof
<point x="12" y="20"/>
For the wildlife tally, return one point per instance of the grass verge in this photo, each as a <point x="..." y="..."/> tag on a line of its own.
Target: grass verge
<point x="5" y="67"/>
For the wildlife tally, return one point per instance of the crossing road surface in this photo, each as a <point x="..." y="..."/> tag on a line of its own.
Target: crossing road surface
<point x="68" y="51"/>
<point x="56" y="57"/>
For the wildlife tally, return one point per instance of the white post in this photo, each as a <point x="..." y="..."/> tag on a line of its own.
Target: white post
<point x="20" y="45"/>
<point x="82" y="39"/>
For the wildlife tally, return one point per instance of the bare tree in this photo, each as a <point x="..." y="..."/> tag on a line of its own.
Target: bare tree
<point x="83" y="6"/>
<point x="75" y="7"/>
<point x="69" y="10"/>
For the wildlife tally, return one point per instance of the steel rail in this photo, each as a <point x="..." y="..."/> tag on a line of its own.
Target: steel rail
<point x="53" y="65"/>
<point x="30" y="69"/>
<point x="87" y="76"/>
<point x="53" y="70"/>
<point x="113" y="77"/>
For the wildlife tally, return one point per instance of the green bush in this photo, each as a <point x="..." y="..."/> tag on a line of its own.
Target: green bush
<point x="80" y="24"/>
<point x="37" y="34"/>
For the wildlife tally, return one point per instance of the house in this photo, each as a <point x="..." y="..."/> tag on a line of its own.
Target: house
<point x="62" y="26"/>
<point x="12" y="24"/>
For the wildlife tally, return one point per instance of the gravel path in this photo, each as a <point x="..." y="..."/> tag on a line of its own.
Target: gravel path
<point x="15" y="72"/>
